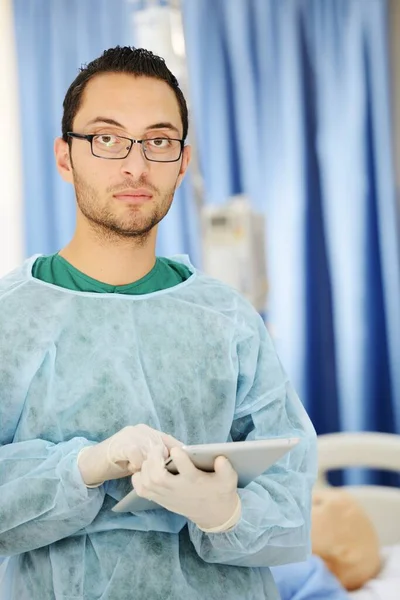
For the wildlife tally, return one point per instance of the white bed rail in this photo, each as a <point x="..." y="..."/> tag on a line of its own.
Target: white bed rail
<point x="372" y="450"/>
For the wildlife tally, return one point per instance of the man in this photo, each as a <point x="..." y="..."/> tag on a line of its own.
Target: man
<point x="111" y="358"/>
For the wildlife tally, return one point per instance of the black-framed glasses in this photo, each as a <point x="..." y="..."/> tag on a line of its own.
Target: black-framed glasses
<point x="117" y="147"/>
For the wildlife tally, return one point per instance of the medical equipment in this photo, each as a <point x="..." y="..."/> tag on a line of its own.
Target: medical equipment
<point x="159" y="28"/>
<point x="234" y="248"/>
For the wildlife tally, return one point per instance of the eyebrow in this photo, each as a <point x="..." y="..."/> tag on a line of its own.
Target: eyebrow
<point x="162" y="125"/>
<point x="105" y="120"/>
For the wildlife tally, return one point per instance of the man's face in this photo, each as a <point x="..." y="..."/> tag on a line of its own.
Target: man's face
<point x="125" y="197"/>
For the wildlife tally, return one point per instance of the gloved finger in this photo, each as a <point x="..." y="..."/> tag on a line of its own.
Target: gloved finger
<point x="137" y="483"/>
<point x="224" y="470"/>
<point x="155" y="460"/>
<point x="135" y="458"/>
<point x="170" y="442"/>
<point x="154" y="442"/>
<point x="154" y="471"/>
<point x="183" y="464"/>
<point x="121" y="453"/>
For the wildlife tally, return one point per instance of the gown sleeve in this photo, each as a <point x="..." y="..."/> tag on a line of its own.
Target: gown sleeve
<point x="276" y="507"/>
<point x="43" y="498"/>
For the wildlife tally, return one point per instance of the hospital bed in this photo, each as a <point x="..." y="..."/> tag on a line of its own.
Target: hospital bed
<point x="382" y="504"/>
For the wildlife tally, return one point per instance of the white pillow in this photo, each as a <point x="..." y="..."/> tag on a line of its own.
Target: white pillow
<point x="386" y="585"/>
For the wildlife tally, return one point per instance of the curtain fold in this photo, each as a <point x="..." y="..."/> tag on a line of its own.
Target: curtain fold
<point x="291" y="102"/>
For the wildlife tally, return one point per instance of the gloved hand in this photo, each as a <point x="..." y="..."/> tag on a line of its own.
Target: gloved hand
<point x="122" y="454"/>
<point x="210" y="500"/>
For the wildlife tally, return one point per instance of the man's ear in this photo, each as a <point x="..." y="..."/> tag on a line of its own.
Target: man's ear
<point x="186" y="156"/>
<point x="63" y="160"/>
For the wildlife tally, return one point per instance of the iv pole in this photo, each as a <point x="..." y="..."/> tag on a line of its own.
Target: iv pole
<point x="159" y="28"/>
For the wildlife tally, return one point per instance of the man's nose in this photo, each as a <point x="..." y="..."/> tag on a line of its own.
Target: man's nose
<point x="135" y="163"/>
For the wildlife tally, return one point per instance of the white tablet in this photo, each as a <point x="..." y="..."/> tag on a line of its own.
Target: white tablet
<point x="249" y="459"/>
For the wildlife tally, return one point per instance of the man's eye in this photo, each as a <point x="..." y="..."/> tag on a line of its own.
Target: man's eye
<point x="159" y="142"/>
<point x="108" y="140"/>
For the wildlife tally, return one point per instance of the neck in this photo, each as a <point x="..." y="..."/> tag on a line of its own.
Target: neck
<point x="114" y="261"/>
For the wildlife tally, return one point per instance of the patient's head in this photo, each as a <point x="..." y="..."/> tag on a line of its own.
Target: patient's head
<point x="344" y="537"/>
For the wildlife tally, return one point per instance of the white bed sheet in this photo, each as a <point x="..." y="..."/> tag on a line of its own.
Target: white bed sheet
<point x="386" y="586"/>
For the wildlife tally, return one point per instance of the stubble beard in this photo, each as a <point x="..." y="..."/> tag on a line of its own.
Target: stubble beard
<point x="110" y="226"/>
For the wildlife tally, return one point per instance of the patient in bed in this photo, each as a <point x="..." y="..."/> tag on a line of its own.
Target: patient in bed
<point x="310" y="580"/>
<point x="344" y="537"/>
<point x="345" y="551"/>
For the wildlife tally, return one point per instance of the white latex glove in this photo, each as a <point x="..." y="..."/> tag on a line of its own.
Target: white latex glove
<point x="210" y="500"/>
<point x="122" y="454"/>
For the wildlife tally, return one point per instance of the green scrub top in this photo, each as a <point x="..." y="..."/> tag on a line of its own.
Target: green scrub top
<point x="54" y="269"/>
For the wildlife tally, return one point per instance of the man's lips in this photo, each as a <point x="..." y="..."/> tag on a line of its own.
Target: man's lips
<point x="134" y="196"/>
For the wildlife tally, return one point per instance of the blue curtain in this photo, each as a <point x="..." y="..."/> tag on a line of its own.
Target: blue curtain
<point x="291" y="107"/>
<point x="54" y="38"/>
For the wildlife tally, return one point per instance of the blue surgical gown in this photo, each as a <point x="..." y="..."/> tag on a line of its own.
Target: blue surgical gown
<point x="194" y="361"/>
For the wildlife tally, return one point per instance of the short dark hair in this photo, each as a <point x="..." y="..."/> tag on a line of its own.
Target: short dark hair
<point x="127" y="59"/>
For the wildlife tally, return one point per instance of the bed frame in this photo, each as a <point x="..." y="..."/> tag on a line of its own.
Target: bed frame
<point x="374" y="450"/>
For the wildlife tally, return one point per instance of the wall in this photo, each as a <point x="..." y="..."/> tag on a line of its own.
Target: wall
<point x="11" y="233"/>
